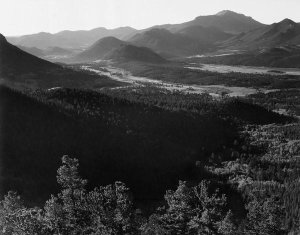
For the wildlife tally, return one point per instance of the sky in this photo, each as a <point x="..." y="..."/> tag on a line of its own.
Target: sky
<point x="19" y="17"/>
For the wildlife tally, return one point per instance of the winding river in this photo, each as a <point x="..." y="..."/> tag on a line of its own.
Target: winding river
<point x="121" y="75"/>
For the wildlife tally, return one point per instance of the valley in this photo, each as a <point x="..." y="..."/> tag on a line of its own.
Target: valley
<point x="121" y="75"/>
<point x="188" y="128"/>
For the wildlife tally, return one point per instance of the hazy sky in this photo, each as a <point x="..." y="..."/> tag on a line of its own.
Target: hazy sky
<point x="18" y="17"/>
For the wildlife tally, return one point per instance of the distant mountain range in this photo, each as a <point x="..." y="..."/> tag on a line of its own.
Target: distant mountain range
<point x="70" y="39"/>
<point x="225" y="30"/>
<point x="226" y="21"/>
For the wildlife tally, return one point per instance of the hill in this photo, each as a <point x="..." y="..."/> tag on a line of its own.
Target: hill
<point x="285" y="32"/>
<point x="69" y="39"/>
<point x="132" y="53"/>
<point x="111" y="48"/>
<point x="169" y="44"/>
<point x="99" y="49"/>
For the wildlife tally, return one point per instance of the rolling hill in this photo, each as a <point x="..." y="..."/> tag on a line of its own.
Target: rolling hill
<point x="99" y="49"/>
<point x="133" y="53"/>
<point x="111" y="48"/>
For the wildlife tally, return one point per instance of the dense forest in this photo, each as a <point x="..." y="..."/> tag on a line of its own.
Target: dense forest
<point x="286" y="101"/>
<point x="173" y="163"/>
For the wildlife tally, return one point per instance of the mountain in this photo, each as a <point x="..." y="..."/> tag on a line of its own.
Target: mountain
<point x="226" y="21"/>
<point x="111" y="48"/>
<point x="278" y="34"/>
<point x="169" y="44"/>
<point x="133" y="53"/>
<point x="70" y="39"/>
<point x="57" y="51"/>
<point x="33" y="51"/>
<point x="19" y="68"/>
<point x="99" y="49"/>
<point x="15" y="61"/>
<point x="205" y="34"/>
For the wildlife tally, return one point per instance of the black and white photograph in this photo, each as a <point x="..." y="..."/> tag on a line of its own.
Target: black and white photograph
<point x="149" y="117"/>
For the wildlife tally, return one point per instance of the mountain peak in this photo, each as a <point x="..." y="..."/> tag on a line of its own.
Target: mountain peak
<point x="287" y="21"/>
<point x="226" y="12"/>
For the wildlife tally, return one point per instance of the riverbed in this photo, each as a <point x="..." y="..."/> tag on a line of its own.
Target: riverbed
<point x="244" y="69"/>
<point x="121" y="75"/>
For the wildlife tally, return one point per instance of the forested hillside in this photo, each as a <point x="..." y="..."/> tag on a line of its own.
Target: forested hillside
<point x="231" y="171"/>
<point x="139" y="138"/>
<point x="148" y="138"/>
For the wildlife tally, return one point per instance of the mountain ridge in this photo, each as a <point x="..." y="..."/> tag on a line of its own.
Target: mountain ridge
<point x="277" y="34"/>
<point x="169" y="44"/>
<point x="68" y="38"/>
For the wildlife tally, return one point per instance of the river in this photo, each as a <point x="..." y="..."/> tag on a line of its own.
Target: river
<point x="121" y="75"/>
<point x="244" y="69"/>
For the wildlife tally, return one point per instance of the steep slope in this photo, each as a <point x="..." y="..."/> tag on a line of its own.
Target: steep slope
<point x="15" y="61"/>
<point x="133" y="53"/>
<point x="18" y="68"/>
<point x="169" y="44"/>
<point x="277" y="34"/>
<point x="70" y="39"/>
<point x="99" y="49"/>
